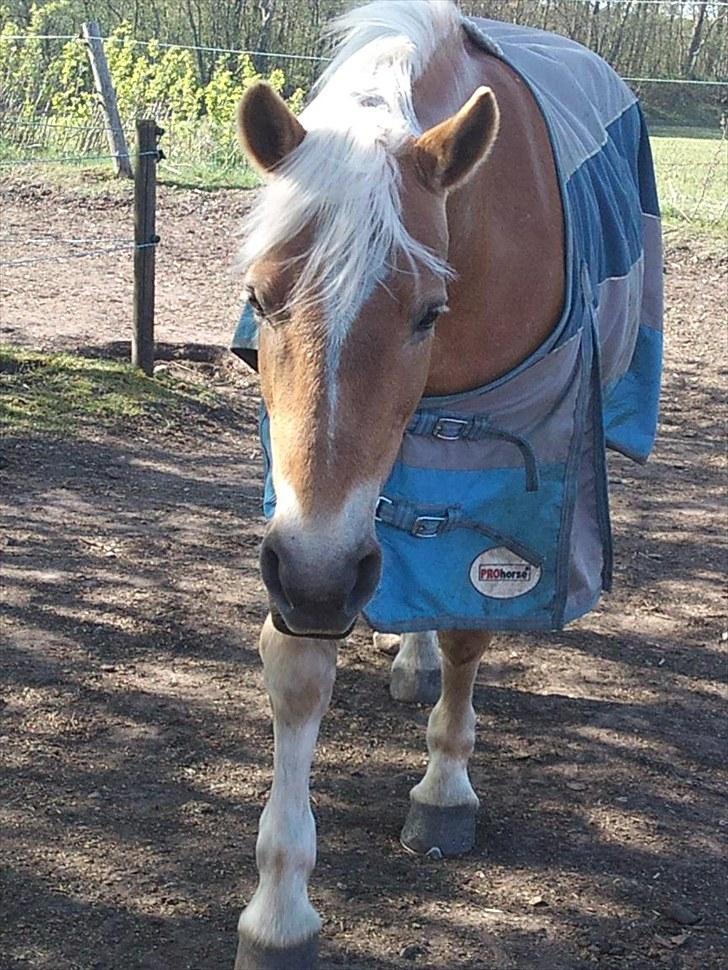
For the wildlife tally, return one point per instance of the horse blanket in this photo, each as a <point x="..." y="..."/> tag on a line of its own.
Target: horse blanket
<point x="496" y="513"/>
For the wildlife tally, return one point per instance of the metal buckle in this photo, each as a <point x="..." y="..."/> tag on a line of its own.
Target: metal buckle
<point x="428" y="526"/>
<point x="382" y="500"/>
<point x="457" y="425"/>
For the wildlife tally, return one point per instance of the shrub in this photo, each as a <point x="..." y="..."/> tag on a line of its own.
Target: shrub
<point x="48" y="86"/>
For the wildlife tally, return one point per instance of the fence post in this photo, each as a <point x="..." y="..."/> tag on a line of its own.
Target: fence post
<point x="145" y="239"/>
<point x="91" y="33"/>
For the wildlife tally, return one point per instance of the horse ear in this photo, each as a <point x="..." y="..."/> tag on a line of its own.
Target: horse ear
<point x="268" y="129"/>
<point x="449" y="153"/>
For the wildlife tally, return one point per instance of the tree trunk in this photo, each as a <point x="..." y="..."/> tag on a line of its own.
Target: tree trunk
<point x="196" y="39"/>
<point x="267" y="10"/>
<point x="593" y="41"/>
<point x="696" y="42"/>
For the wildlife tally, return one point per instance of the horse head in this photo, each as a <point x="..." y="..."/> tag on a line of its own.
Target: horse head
<point x="346" y="269"/>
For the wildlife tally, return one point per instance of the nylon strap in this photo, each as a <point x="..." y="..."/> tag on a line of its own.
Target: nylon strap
<point x="456" y="427"/>
<point x="431" y="523"/>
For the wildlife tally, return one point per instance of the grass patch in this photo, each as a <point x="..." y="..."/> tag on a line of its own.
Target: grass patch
<point x="211" y="178"/>
<point x="692" y="178"/>
<point x="64" y="394"/>
<point x="94" y="172"/>
<point x="90" y="175"/>
<point x="691" y="165"/>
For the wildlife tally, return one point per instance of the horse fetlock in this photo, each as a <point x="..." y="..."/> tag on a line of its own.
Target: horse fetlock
<point x="279" y="864"/>
<point x="279" y="918"/>
<point x="446" y="782"/>
<point x="278" y="857"/>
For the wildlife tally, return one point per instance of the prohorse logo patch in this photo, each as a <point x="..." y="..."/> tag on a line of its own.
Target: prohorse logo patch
<point x="502" y="574"/>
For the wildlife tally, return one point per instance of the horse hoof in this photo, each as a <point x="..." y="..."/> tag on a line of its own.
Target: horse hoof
<point x="415" y="686"/>
<point x="255" y="956"/>
<point x="451" y="829"/>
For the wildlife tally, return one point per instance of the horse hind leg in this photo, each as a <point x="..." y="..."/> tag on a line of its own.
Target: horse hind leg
<point x="443" y="806"/>
<point x="279" y="928"/>
<point x="415" y="674"/>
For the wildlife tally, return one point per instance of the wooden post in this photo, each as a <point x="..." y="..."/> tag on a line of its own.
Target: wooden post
<point x="91" y="33"/>
<point x="145" y="239"/>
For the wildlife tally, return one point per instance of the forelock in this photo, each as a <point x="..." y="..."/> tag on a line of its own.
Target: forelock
<point x="342" y="183"/>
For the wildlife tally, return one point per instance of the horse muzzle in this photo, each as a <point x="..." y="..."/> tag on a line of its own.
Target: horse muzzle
<point x="315" y="594"/>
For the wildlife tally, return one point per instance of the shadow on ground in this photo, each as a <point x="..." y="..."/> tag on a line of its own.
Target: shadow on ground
<point x="137" y="740"/>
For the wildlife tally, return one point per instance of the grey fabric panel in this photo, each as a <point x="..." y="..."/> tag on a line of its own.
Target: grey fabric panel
<point x="537" y="403"/>
<point x="479" y="37"/>
<point x="652" y="297"/>
<point x="627" y="302"/>
<point x="580" y="94"/>
<point x="619" y="311"/>
<point x="587" y="554"/>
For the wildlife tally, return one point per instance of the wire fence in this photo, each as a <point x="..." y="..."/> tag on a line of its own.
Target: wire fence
<point x="34" y="249"/>
<point x="715" y="167"/>
<point x="321" y="59"/>
<point x="693" y="177"/>
<point x="30" y="135"/>
<point x="692" y="171"/>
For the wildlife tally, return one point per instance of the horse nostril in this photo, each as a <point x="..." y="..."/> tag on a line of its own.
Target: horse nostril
<point x="311" y="593"/>
<point x="369" y="570"/>
<point x="270" y="569"/>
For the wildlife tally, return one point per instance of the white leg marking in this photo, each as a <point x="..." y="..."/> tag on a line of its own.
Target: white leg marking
<point x="417" y="651"/>
<point x="386" y="642"/>
<point x="451" y="727"/>
<point x="299" y="675"/>
<point x="415" y="674"/>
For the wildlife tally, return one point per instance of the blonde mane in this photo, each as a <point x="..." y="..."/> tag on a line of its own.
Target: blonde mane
<point x="343" y="179"/>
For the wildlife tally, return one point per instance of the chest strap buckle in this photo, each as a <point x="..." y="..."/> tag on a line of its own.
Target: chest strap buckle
<point x="450" y="429"/>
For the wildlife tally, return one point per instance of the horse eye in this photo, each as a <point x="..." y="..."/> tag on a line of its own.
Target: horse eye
<point x="429" y="319"/>
<point x="255" y="302"/>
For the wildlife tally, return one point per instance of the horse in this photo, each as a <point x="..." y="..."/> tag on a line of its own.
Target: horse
<point x="453" y="298"/>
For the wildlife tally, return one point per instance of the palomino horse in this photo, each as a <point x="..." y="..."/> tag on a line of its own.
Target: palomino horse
<point x="429" y="239"/>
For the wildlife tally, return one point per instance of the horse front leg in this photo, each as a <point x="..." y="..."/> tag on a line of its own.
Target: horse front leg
<point x="278" y="930"/>
<point x="415" y="673"/>
<point x="443" y="806"/>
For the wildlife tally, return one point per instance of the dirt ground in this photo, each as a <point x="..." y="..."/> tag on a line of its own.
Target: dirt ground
<point x="135" y="737"/>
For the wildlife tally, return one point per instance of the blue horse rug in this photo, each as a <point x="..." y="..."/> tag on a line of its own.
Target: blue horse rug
<point x="496" y="512"/>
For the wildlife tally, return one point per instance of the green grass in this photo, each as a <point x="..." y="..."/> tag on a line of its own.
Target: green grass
<point x="95" y="170"/>
<point x="63" y="394"/>
<point x="202" y="175"/>
<point x="692" y="178"/>
<point x="691" y="163"/>
<point x="88" y="177"/>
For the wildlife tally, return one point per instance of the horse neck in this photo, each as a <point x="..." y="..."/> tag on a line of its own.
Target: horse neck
<point x="506" y="229"/>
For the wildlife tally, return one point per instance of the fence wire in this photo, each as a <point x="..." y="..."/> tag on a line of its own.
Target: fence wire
<point x="94" y="130"/>
<point x="28" y="37"/>
<point x="23" y="123"/>
<point x="64" y="257"/>
<point x="97" y="129"/>
<point x="227" y="50"/>
<point x="674" y="80"/>
<point x="74" y="158"/>
<point x="318" y="58"/>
